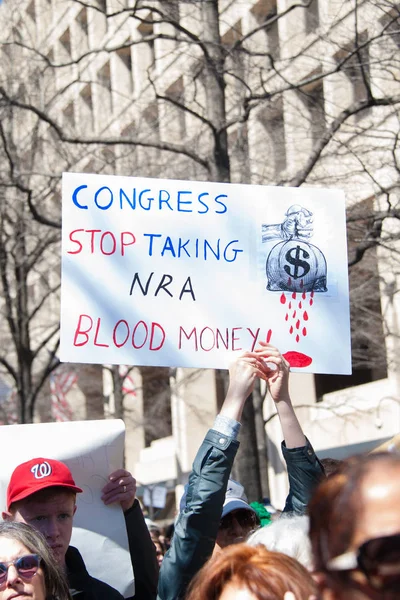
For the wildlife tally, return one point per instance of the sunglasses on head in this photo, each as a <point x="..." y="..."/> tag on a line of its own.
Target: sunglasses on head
<point x="26" y="566"/>
<point x="378" y="559"/>
<point x="245" y="518"/>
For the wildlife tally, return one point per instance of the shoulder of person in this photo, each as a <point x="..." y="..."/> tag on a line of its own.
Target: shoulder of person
<point x="103" y="591"/>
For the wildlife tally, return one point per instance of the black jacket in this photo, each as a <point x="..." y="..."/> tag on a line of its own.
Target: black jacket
<point x="82" y="586"/>
<point x="144" y="563"/>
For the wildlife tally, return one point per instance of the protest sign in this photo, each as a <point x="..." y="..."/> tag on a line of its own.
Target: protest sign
<point x="97" y="450"/>
<point x="183" y="273"/>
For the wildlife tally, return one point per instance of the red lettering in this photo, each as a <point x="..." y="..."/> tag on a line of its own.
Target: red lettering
<point x="254" y="336"/>
<point x="152" y="334"/>
<point x="134" y="334"/>
<point x="84" y="332"/>
<point x="75" y="242"/>
<point x="93" y="232"/>
<point x="114" y="246"/>
<point x="123" y="243"/>
<point x="119" y="345"/>
<point x="194" y="331"/>
<point x="225" y="342"/>
<point x="201" y="339"/>
<point x="234" y="338"/>
<point x="96" y="335"/>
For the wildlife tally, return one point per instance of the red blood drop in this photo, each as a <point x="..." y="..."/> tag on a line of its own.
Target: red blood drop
<point x="289" y="282"/>
<point x="305" y="315"/>
<point x="303" y="295"/>
<point x="269" y="334"/>
<point x="311" y="301"/>
<point x="301" y="283"/>
<point x="290" y="305"/>
<point x="294" y="314"/>
<point x="291" y="329"/>
<point x="297" y="359"/>
<point x="298" y="324"/>
<point x="286" y="317"/>
<point x="304" y="331"/>
<point x="294" y="295"/>
<point x="300" y="304"/>
<point x="283" y="298"/>
<point x="297" y="338"/>
<point x="312" y="294"/>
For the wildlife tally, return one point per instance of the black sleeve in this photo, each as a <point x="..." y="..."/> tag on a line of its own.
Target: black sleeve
<point x="304" y="473"/>
<point x="143" y="554"/>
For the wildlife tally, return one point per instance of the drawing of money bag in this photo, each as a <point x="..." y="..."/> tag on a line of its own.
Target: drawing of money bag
<point x="296" y="266"/>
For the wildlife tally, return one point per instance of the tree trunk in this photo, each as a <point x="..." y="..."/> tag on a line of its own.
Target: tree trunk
<point x="215" y="91"/>
<point x="117" y="380"/>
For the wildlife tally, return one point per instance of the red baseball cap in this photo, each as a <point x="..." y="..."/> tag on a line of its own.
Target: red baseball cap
<point x="37" y="474"/>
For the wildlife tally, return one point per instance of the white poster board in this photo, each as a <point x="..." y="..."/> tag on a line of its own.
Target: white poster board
<point x="183" y="273"/>
<point x="92" y="450"/>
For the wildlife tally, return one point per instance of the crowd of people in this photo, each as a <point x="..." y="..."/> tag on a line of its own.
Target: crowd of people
<point x="337" y="538"/>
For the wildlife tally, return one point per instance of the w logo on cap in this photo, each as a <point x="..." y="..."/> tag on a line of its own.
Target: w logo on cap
<point x="41" y="470"/>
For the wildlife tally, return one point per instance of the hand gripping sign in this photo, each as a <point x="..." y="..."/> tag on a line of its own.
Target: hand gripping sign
<point x="185" y="273"/>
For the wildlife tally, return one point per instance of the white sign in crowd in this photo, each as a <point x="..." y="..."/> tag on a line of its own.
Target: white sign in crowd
<point x="185" y="273"/>
<point x="97" y="451"/>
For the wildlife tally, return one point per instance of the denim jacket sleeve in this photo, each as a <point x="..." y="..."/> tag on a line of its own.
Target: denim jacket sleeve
<point x="197" y="525"/>
<point x="304" y="473"/>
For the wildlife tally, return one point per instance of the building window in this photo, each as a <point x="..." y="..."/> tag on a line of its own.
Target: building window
<point x="312" y="97"/>
<point x="146" y="50"/>
<point x="86" y="109"/>
<point x="31" y="10"/>
<point x="312" y="16"/>
<point x="69" y="117"/>
<point x="265" y="11"/>
<point x="174" y="114"/>
<point x="354" y="63"/>
<point x="104" y="91"/>
<point x="124" y="70"/>
<point x="272" y="123"/>
<point x="391" y="23"/>
<point x="65" y="46"/>
<point x="128" y="159"/>
<point x="82" y="31"/>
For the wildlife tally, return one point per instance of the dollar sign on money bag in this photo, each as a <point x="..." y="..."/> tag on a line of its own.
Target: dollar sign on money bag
<point x="296" y="266"/>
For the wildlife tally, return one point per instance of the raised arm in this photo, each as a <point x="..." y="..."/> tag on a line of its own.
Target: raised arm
<point x="198" y="522"/>
<point x="304" y="469"/>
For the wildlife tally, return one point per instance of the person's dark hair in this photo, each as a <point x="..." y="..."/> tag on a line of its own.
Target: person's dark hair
<point x="330" y="465"/>
<point x="336" y="505"/>
<point x="267" y="575"/>
<point x="55" y="581"/>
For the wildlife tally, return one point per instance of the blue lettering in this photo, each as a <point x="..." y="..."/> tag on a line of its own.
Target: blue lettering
<point x="149" y="199"/>
<point x="151" y="236"/>
<point x="183" y="247"/>
<point x="205" y="249"/>
<point x="97" y="194"/>
<point x="235" y="252"/>
<point x="203" y="212"/>
<point x="162" y="200"/>
<point x="180" y="202"/>
<point x="122" y="195"/>
<point x="221" y="212"/>
<point x="168" y="247"/>
<point x="75" y="199"/>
